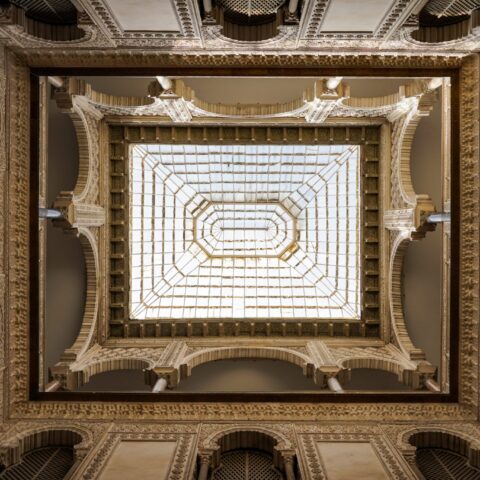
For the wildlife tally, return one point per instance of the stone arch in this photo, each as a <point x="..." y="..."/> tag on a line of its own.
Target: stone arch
<point x="41" y="32"/>
<point x="399" y="326"/>
<point x="228" y="353"/>
<point x="87" y="331"/>
<point x="281" y="441"/>
<point x="85" y="120"/>
<point x="403" y="132"/>
<point x="248" y="437"/>
<point x="375" y="363"/>
<point x="435" y="437"/>
<point x="109" y="365"/>
<point x="14" y="448"/>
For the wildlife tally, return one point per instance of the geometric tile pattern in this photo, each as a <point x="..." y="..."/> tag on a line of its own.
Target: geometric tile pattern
<point x="244" y="232"/>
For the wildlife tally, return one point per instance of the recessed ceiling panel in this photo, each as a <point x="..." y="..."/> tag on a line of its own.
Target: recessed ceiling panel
<point x="244" y="231"/>
<point x="145" y="15"/>
<point x="355" y="16"/>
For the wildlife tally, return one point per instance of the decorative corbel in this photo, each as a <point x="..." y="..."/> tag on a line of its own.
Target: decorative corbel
<point x="76" y="214"/>
<point x="413" y="220"/>
<point x="326" y="367"/>
<point x="327" y="94"/>
<point x="175" y="106"/>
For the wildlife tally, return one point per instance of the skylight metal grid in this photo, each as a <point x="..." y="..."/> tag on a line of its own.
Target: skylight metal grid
<point x="244" y="232"/>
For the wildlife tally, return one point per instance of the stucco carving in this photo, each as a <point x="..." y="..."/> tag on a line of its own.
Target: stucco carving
<point x="397" y="467"/>
<point x="18" y="293"/>
<point x="469" y="231"/>
<point x="181" y="466"/>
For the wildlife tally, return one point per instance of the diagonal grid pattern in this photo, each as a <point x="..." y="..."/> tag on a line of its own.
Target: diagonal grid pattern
<point x="244" y="231"/>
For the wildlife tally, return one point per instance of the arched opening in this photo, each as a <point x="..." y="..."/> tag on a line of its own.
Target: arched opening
<point x="246" y="455"/>
<point x="47" y="454"/>
<point x="52" y="463"/>
<point x="117" y="381"/>
<point x="365" y="379"/>
<point x="65" y="269"/>
<point x="422" y="262"/>
<point x="245" y="464"/>
<point x="125" y="374"/>
<point x="246" y="375"/>
<point x="438" y="25"/>
<point x="248" y="21"/>
<point x="444" y="455"/>
<point x="47" y="21"/>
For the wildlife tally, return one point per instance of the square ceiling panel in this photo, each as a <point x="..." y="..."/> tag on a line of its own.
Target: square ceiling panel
<point x="145" y="15"/>
<point x="244" y="232"/>
<point x="355" y="16"/>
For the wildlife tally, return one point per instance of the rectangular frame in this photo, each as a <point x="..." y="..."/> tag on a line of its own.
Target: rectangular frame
<point x="120" y="139"/>
<point x="23" y="299"/>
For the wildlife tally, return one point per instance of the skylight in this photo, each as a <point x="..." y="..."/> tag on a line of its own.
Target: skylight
<point x="244" y="232"/>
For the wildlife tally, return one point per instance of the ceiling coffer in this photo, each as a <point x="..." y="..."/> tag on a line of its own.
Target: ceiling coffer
<point x="250" y="20"/>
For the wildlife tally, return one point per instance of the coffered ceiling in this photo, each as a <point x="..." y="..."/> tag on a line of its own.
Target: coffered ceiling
<point x="186" y="25"/>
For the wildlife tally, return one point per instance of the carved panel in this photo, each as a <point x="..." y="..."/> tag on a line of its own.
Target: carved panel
<point x="180" y="469"/>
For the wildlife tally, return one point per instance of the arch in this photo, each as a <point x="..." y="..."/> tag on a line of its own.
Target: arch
<point x="13" y="449"/>
<point x="85" y="120"/>
<point x="428" y="437"/>
<point x="281" y="442"/>
<point x="399" y="326"/>
<point x="229" y="353"/>
<point x="253" y="437"/>
<point x="376" y="364"/>
<point x="108" y="365"/>
<point x="87" y="331"/>
<point x="43" y="32"/>
<point x="87" y="139"/>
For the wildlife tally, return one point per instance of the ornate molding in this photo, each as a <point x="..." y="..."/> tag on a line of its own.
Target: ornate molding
<point x="180" y="468"/>
<point x="396" y="466"/>
<point x="210" y="434"/>
<point x="185" y="11"/>
<point x="22" y="436"/>
<point x="315" y="12"/>
<point x="469" y="231"/>
<point x="159" y="59"/>
<point x="17" y="284"/>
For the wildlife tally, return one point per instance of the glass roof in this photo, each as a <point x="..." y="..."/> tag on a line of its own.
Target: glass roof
<point x="244" y="232"/>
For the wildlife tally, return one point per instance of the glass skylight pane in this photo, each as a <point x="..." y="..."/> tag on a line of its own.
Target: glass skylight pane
<point x="244" y="232"/>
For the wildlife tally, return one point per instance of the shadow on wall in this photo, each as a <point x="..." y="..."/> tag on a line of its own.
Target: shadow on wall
<point x="372" y="379"/>
<point x="243" y="375"/>
<point x="65" y="269"/>
<point x="423" y="259"/>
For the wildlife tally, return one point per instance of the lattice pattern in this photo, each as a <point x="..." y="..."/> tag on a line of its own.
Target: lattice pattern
<point x="244" y="231"/>
<point x="451" y="8"/>
<point x="246" y="465"/>
<point x="436" y="463"/>
<point x="252" y="8"/>
<point x="49" y="11"/>
<point x="43" y="464"/>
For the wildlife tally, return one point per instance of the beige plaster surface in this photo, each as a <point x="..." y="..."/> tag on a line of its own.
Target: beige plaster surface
<point x="349" y="460"/>
<point x="140" y="460"/>
<point x="355" y="16"/>
<point x="145" y="15"/>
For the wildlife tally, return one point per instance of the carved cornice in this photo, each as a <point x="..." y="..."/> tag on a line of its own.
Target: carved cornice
<point x="18" y="313"/>
<point x="130" y="58"/>
<point x="469" y="231"/>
